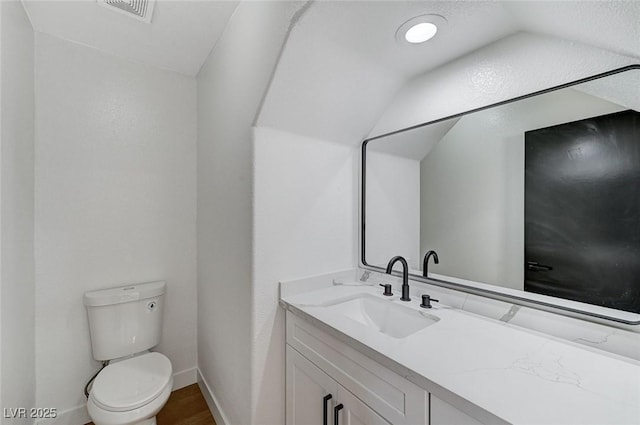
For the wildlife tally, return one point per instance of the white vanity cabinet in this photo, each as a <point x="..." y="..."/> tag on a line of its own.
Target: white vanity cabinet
<point x="319" y="364"/>
<point x="324" y="372"/>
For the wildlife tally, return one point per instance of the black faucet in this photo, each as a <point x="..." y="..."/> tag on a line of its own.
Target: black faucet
<point x="405" y="276"/>
<point x="425" y="263"/>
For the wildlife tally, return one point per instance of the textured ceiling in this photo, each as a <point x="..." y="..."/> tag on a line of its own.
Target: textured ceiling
<point x="342" y="68"/>
<point x="179" y="38"/>
<point x="612" y="25"/>
<point x="517" y="65"/>
<point x="367" y="29"/>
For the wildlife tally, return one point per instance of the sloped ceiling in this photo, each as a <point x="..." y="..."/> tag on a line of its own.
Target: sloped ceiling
<point x="179" y="37"/>
<point x="612" y="25"/>
<point x="414" y="144"/>
<point x="342" y="64"/>
<point x="342" y="71"/>
<point x="622" y="89"/>
<point x="558" y="107"/>
<point x="514" y="66"/>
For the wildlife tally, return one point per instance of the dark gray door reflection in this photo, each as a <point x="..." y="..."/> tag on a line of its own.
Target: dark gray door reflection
<point x="582" y="211"/>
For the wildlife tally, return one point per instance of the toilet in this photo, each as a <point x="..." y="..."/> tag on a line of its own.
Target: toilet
<point x="125" y="323"/>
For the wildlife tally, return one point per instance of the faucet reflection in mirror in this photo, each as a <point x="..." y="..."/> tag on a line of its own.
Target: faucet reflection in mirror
<point x="466" y="184"/>
<point x="425" y="262"/>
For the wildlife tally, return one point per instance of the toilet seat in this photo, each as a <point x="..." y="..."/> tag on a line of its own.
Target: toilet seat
<point x="143" y="415"/>
<point x="130" y="384"/>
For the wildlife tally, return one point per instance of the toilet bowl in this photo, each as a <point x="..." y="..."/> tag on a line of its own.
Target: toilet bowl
<point x="131" y="391"/>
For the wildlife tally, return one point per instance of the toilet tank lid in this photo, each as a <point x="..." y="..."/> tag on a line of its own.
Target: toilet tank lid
<point x="124" y="294"/>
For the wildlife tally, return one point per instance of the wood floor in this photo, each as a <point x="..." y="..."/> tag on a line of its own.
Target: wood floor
<point x="186" y="406"/>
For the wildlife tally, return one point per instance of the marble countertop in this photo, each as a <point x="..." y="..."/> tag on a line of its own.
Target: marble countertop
<point x="518" y="375"/>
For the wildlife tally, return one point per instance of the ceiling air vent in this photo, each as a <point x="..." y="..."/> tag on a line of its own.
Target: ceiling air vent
<point x="138" y="9"/>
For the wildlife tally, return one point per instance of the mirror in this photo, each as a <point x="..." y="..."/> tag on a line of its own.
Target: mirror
<point x="536" y="198"/>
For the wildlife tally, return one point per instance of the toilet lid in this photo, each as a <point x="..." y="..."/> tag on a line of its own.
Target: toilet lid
<point x="131" y="383"/>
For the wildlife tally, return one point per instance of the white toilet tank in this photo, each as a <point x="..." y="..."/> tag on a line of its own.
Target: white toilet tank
<point x="125" y="320"/>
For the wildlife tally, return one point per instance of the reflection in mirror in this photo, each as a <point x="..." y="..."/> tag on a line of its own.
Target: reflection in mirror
<point x="540" y="195"/>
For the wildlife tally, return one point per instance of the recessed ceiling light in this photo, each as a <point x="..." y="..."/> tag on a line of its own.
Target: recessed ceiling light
<point x="419" y="33"/>
<point x="420" y="29"/>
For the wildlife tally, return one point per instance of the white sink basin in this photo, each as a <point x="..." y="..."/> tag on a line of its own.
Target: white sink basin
<point x="384" y="316"/>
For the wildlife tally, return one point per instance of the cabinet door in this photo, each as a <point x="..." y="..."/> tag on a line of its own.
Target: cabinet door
<point x="355" y="412"/>
<point x="307" y="388"/>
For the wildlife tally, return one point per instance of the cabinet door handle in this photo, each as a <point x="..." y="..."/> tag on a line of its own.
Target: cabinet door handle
<point x="324" y="408"/>
<point x="336" y="409"/>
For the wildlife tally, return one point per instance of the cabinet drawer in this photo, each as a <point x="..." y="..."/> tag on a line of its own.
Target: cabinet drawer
<point x="398" y="400"/>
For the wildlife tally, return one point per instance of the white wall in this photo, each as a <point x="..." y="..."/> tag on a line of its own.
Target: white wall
<point x="115" y="186"/>
<point x="472" y="186"/>
<point x="393" y="209"/>
<point x="304" y="223"/>
<point x="17" y="344"/>
<point x="231" y="86"/>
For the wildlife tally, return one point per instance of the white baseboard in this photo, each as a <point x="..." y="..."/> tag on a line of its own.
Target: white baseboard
<point x="75" y="416"/>
<point x="79" y="416"/>
<point x="212" y="402"/>
<point x="184" y="378"/>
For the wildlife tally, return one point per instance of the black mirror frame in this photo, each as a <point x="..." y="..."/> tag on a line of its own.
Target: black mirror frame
<point x="460" y="287"/>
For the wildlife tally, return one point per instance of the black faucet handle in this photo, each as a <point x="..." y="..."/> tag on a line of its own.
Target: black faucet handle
<point x="426" y="301"/>
<point x="387" y="289"/>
